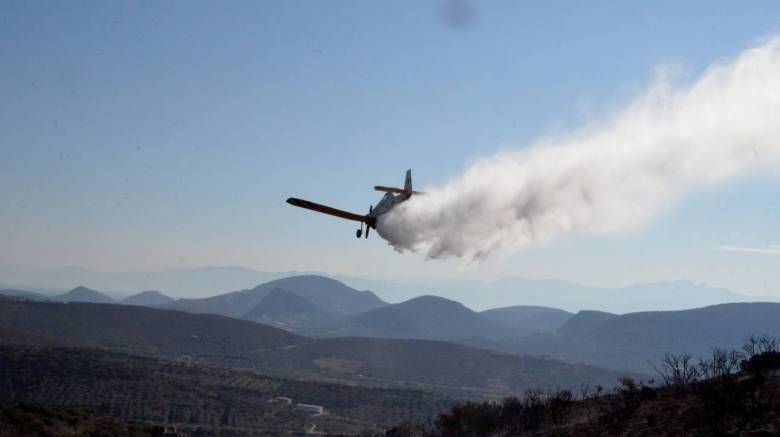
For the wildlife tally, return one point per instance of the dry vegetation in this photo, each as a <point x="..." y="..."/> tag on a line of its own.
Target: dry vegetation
<point x="732" y="392"/>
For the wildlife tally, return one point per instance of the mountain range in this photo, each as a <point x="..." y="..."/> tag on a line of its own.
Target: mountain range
<point x="319" y="307"/>
<point x="639" y="340"/>
<point x="214" y="340"/>
<point x="147" y="298"/>
<point x="477" y="295"/>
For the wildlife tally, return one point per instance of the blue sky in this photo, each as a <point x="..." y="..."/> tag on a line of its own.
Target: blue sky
<point x="155" y="135"/>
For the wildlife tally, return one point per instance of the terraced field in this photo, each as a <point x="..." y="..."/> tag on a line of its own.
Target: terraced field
<point x="151" y="391"/>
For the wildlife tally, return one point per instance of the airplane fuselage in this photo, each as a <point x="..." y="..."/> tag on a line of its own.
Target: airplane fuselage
<point x="388" y="202"/>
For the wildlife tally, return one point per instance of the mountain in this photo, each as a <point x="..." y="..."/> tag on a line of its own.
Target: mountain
<point x="24" y="293"/>
<point x="584" y="320"/>
<point x="194" y="282"/>
<point x="634" y="341"/>
<point x="328" y="294"/>
<point x="285" y="309"/>
<point x="225" y="342"/>
<point x="83" y="294"/>
<point x="529" y="318"/>
<point x="478" y="295"/>
<point x="147" y="298"/>
<point x="569" y="296"/>
<point x="142" y="330"/>
<point x="425" y="317"/>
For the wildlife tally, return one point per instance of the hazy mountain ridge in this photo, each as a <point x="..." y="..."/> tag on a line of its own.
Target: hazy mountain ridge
<point x="285" y="309"/>
<point x="328" y="294"/>
<point x="25" y="294"/>
<point x="477" y="295"/>
<point x="147" y="298"/>
<point x="83" y="294"/>
<point x="425" y="317"/>
<point x="529" y="318"/>
<point x="635" y="340"/>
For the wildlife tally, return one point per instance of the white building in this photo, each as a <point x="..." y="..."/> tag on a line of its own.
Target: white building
<point x="306" y="408"/>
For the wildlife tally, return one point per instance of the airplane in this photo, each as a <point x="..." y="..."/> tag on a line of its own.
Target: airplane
<point x="387" y="203"/>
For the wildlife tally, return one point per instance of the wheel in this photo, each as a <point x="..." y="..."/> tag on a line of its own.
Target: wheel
<point x="358" y="233"/>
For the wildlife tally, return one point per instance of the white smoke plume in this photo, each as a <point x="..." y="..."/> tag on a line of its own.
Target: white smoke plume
<point x="607" y="178"/>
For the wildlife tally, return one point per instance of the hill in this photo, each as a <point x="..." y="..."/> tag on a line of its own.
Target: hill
<point x="226" y="342"/>
<point x="285" y="309"/>
<point x="729" y="393"/>
<point x="24" y="293"/>
<point x="83" y="294"/>
<point x="569" y="296"/>
<point x="632" y="340"/>
<point x="455" y="370"/>
<point x="328" y="294"/>
<point x="147" y="298"/>
<point x="41" y="421"/>
<point x="529" y="318"/>
<point x="193" y="399"/>
<point x="425" y="317"/>
<point x="142" y="330"/>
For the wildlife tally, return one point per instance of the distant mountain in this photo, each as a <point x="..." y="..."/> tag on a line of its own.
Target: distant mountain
<point x="284" y="309"/>
<point x="25" y="294"/>
<point x="147" y="298"/>
<point x="195" y="282"/>
<point x="479" y="295"/>
<point x="425" y="317"/>
<point x="328" y="294"/>
<point x="633" y="341"/>
<point x="142" y="330"/>
<point x="83" y="294"/>
<point x="584" y="320"/>
<point x="529" y="318"/>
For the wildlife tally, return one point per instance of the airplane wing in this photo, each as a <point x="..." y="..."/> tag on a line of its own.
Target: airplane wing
<point x="331" y="211"/>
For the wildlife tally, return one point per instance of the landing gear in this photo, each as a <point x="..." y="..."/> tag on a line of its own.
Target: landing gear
<point x="359" y="232"/>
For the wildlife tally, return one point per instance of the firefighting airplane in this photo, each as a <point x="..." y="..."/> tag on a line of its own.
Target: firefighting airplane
<point x="388" y="202"/>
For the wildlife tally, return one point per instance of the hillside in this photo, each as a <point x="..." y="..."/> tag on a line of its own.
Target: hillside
<point x="147" y="298"/>
<point x="142" y="330"/>
<point x="40" y="421"/>
<point x="529" y="318"/>
<point x="83" y="294"/>
<point x="728" y="393"/>
<point x="456" y="370"/>
<point x="629" y="341"/>
<point x="238" y="344"/>
<point x="285" y="309"/>
<point x="425" y="317"/>
<point x="24" y="293"/>
<point x="328" y="294"/>
<point x="190" y="397"/>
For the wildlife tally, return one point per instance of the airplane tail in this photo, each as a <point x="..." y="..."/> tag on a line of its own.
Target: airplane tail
<point x="407" y="189"/>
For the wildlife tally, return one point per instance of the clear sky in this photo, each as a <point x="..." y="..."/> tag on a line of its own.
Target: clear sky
<point x="155" y="135"/>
